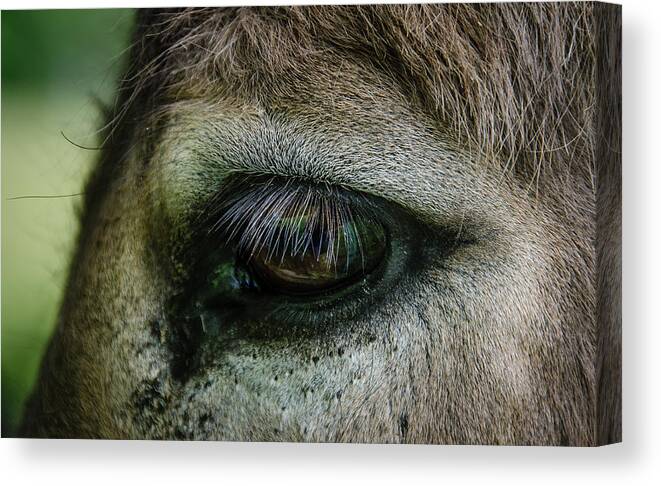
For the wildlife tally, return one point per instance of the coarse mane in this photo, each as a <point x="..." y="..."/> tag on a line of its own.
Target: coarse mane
<point x="514" y="82"/>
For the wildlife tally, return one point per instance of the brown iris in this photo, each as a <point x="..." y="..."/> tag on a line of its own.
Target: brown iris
<point x="312" y="254"/>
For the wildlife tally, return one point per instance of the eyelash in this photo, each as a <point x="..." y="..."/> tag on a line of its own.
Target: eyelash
<point x="259" y="214"/>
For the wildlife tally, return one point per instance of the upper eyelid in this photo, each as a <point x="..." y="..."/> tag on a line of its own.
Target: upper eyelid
<point x="262" y="145"/>
<point x="435" y="184"/>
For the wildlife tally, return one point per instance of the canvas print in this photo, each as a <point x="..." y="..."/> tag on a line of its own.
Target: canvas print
<point x="373" y="224"/>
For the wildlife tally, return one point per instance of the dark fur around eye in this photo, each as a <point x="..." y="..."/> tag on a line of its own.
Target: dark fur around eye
<point x="228" y="282"/>
<point x="324" y="242"/>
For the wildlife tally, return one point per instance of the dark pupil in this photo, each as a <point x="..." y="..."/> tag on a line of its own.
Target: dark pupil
<point x="311" y="257"/>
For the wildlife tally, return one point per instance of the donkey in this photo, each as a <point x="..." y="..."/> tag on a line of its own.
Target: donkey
<point x="385" y="224"/>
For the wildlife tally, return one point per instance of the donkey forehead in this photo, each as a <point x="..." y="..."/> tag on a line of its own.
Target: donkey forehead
<point x="477" y="69"/>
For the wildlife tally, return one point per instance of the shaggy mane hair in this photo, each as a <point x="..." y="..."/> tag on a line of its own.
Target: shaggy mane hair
<point x="517" y="85"/>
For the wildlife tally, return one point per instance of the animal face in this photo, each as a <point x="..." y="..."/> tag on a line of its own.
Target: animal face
<point x="355" y="224"/>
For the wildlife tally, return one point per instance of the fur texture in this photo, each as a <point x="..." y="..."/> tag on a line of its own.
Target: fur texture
<point x="485" y="121"/>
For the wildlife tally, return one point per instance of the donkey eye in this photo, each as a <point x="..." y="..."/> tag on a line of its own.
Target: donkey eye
<point x="328" y="259"/>
<point x="272" y="253"/>
<point x="298" y="238"/>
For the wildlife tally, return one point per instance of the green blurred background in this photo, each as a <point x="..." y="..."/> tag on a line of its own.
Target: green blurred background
<point x="55" y="63"/>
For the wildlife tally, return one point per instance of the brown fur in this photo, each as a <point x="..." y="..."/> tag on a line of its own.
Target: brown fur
<point x="500" y="120"/>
